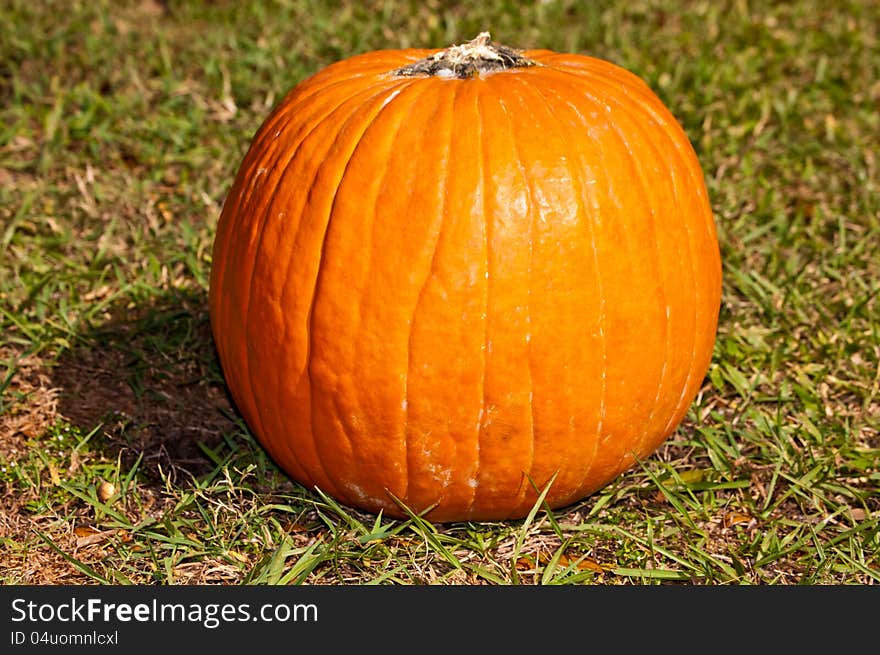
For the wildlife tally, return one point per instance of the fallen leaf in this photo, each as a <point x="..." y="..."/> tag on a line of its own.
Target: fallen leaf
<point x="857" y="513"/>
<point x="582" y="563"/>
<point x="734" y="518"/>
<point x="693" y="475"/>
<point x="524" y="564"/>
<point x="84" y="530"/>
<point x="53" y="474"/>
<point x="94" y="538"/>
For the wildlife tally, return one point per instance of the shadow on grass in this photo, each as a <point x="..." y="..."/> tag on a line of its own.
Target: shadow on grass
<point x="149" y="379"/>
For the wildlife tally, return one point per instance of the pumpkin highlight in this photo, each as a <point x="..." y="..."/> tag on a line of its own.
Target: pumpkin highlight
<point x="450" y="277"/>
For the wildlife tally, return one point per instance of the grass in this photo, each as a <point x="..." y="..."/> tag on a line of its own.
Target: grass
<point x="121" y="126"/>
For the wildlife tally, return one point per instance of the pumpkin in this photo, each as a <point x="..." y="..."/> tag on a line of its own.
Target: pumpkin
<point x="445" y="281"/>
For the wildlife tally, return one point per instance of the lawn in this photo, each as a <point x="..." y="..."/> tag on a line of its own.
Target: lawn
<point x="123" y="459"/>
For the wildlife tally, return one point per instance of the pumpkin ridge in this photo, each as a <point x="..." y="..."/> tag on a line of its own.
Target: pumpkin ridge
<point x="686" y="171"/>
<point x="590" y="217"/>
<point x="694" y="331"/>
<point x="578" y="79"/>
<point x="524" y="484"/>
<point x="505" y="445"/>
<point x="370" y="247"/>
<point x="367" y="94"/>
<point x="481" y="168"/>
<point x="685" y="165"/>
<point x="698" y="183"/>
<point x="689" y="393"/>
<point x="650" y="143"/>
<point x="293" y="153"/>
<point x="419" y="94"/>
<point x="686" y="387"/>
<point x="639" y="176"/>
<point x="375" y="100"/>
<point x="635" y="162"/>
<point x="408" y="89"/>
<point x="443" y="173"/>
<point x="631" y="248"/>
<point x="586" y="223"/>
<point x="244" y="197"/>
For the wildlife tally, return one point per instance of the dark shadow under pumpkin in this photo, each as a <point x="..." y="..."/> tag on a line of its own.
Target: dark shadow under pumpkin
<point x="149" y="380"/>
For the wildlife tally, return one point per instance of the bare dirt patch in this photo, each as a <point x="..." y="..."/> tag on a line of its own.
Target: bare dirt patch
<point x="151" y="381"/>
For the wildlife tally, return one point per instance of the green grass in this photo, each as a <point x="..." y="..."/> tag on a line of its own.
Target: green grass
<point x="121" y="127"/>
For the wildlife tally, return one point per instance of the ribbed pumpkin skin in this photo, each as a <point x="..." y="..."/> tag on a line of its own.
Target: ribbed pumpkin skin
<point x="451" y="290"/>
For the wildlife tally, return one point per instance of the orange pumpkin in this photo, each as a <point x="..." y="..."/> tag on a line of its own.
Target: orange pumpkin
<point x="450" y="277"/>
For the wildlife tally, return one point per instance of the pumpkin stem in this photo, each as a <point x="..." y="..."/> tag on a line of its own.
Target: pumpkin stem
<point x="476" y="57"/>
